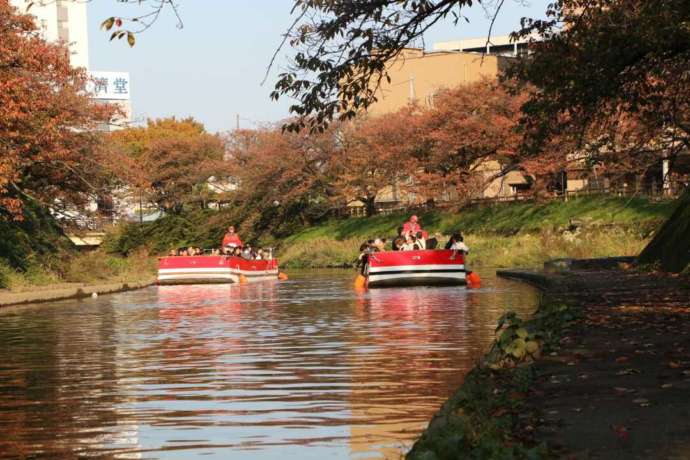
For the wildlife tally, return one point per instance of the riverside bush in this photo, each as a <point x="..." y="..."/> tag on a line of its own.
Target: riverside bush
<point x="97" y="266"/>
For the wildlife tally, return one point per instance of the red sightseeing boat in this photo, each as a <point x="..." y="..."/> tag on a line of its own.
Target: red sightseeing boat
<point x="214" y="269"/>
<point x="415" y="268"/>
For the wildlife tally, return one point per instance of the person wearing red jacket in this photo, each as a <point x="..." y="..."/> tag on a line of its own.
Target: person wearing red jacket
<point x="231" y="239"/>
<point x="411" y="227"/>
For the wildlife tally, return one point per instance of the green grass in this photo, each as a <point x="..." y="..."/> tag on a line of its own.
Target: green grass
<point x="497" y="251"/>
<point x="86" y="268"/>
<point x="35" y="252"/>
<point x="502" y="235"/>
<point x="504" y="218"/>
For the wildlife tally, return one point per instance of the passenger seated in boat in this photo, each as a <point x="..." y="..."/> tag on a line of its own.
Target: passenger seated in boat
<point x="432" y="243"/>
<point x="398" y="243"/>
<point x="237" y="251"/>
<point x="458" y="244"/>
<point x="378" y="245"/>
<point x="260" y="255"/>
<point x="248" y="252"/>
<point x="420" y="240"/>
<point x="363" y="258"/>
<point x="172" y="253"/>
<point x="409" y="244"/>
<point x="411" y="226"/>
<point x="231" y="239"/>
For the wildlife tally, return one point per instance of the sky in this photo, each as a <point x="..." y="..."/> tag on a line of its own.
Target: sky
<point x="212" y="67"/>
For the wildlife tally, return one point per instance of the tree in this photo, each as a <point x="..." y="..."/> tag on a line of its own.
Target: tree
<point x="468" y="126"/>
<point x="612" y="79"/>
<point x="48" y="138"/>
<point x="374" y="153"/>
<point x="283" y="178"/>
<point x="343" y="49"/>
<point x="171" y="159"/>
<point x="612" y="75"/>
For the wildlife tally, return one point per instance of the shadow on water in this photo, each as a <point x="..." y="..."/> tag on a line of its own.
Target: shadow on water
<point x="306" y="368"/>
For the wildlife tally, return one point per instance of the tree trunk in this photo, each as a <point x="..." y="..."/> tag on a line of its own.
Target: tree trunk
<point x="370" y="205"/>
<point x="670" y="247"/>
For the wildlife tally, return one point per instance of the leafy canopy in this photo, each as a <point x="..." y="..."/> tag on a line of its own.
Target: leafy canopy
<point x="48" y="139"/>
<point x="172" y="160"/>
<point x="610" y="77"/>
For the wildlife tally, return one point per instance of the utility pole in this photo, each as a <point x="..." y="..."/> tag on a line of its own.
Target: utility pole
<point x="237" y="122"/>
<point x="412" y="96"/>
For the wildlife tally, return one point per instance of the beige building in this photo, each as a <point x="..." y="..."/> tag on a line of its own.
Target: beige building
<point x="417" y="76"/>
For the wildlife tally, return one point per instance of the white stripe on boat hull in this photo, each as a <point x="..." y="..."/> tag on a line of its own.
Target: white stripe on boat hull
<point x="426" y="278"/>
<point x="211" y="275"/>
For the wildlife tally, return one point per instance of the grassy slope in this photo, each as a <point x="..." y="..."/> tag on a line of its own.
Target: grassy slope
<point x="505" y="234"/>
<point x="35" y="252"/>
<point x="31" y="249"/>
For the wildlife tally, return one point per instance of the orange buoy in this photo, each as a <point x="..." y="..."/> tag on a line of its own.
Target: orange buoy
<point x="360" y="282"/>
<point x="282" y="276"/>
<point x="473" y="280"/>
<point x="243" y="279"/>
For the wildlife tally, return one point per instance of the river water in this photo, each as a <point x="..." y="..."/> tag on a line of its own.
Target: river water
<point x="306" y="368"/>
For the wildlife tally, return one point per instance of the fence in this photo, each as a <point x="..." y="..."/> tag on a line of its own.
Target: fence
<point x="672" y="192"/>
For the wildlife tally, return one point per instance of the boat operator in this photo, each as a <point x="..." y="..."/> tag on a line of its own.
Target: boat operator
<point x="411" y="227"/>
<point x="231" y="240"/>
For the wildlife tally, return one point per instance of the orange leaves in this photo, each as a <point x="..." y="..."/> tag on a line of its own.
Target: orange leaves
<point x="413" y="155"/>
<point x="171" y="159"/>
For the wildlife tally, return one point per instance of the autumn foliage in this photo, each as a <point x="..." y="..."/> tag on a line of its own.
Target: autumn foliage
<point x="611" y="79"/>
<point x="48" y="141"/>
<point x="419" y="153"/>
<point x="169" y="160"/>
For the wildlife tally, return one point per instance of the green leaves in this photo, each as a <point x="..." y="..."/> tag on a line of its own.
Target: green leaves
<point x="515" y="342"/>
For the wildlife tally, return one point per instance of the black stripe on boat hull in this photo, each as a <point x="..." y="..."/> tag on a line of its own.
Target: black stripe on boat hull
<point x="429" y="280"/>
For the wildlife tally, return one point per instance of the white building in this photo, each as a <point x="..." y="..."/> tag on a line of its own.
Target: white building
<point x="61" y="20"/>
<point x="502" y="45"/>
<point x="113" y="88"/>
<point x="66" y="21"/>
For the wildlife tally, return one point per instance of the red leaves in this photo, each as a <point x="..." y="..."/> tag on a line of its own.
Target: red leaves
<point x="47" y="122"/>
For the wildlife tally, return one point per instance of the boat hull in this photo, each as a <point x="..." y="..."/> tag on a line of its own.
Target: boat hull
<point x="416" y="268"/>
<point x="214" y="270"/>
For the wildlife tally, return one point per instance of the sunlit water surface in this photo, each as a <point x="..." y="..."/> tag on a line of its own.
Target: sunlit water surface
<point x="306" y="368"/>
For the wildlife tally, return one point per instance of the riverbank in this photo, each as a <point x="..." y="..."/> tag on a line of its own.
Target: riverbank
<point x="523" y="234"/>
<point x="519" y="234"/>
<point x="67" y="291"/>
<point x="76" y="275"/>
<point x="610" y="379"/>
<point x="35" y="254"/>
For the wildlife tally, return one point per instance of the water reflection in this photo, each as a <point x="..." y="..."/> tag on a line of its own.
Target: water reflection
<point x="306" y="368"/>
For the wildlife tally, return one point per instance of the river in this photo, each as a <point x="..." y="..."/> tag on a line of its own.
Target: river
<point x="307" y="368"/>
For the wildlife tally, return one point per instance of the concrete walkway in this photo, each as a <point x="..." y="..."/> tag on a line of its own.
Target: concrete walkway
<point x="618" y="388"/>
<point x="68" y="291"/>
